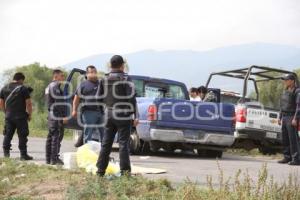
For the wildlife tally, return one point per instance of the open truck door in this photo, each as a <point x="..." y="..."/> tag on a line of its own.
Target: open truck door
<point x="73" y="80"/>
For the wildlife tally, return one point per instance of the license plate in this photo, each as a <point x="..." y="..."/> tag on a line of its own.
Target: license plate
<point x="271" y="135"/>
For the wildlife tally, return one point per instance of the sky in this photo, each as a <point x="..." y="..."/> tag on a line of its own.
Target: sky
<point x="56" y="32"/>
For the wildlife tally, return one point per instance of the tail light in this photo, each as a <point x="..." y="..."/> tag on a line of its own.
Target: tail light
<point x="152" y="113"/>
<point x="241" y="115"/>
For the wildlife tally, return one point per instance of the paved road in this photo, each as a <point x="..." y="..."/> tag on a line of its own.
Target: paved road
<point x="180" y="166"/>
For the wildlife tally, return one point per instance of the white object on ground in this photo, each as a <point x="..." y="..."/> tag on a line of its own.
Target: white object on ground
<point x="146" y="170"/>
<point x="70" y="161"/>
<point x="144" y="157"/>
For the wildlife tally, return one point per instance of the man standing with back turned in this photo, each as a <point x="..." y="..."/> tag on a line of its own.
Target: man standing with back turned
<point x="118" y="94"/>
<point x="16" y="103"/>
<point x="289" y="118"/>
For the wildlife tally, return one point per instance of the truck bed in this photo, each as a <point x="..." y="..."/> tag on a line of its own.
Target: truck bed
<point x="188" y="121"/>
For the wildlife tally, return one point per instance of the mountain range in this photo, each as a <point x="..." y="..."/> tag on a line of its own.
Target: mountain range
<point x="194" y="67"/>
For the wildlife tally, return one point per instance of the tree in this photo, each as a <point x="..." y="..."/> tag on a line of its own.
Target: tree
<point x="271" y="91"/>
<point x="37" y="77"/>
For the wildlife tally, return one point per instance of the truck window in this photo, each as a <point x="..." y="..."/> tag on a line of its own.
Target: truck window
<point x="170" y="91"/>
<point x="139" y="87"/>
<point x="155" y="89"/>
<point x="175" y="92"/>
<point x="155" y="92"/>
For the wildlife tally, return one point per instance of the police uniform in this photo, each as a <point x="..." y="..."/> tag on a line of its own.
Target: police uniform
<point x="290" y="101"/>
<point x="16" y="118"/>
<point x="122" y="105"/>
<point x="56" y="113"/>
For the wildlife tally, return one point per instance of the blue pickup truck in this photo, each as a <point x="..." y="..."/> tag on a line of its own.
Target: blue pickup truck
<point x="170" y="121"/>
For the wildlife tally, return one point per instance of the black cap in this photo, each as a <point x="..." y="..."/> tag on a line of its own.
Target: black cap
<point x="116" y="61"/>
<point x="289" y="77"/>
<point x="202" y="89"/>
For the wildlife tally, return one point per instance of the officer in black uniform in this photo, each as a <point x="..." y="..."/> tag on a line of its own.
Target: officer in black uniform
<point x="289" y="118"/>
<point x="118" y="94"/>
<point x="16" y="103"/>
<point x="56" y="118"/>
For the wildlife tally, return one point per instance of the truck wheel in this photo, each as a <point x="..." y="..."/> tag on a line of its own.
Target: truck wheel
<point x="134" y="143"/>
<point x="169" y="148"/>
<point x="210" y="153"/>
<point x="267" y="150"/>
<point x="145" y="147"/>
<point x="154" y="148"/>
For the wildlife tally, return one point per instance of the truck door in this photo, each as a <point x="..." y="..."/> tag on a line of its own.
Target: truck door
<point x="75" y="77"/>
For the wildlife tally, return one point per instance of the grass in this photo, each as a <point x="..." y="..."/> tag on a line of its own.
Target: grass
<point x="252" y="153"/>
<point x="20" y="180"/>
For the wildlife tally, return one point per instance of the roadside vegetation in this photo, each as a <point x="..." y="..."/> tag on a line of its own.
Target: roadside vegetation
<point x="20" y="180"/>
<point x="253" y="153"/>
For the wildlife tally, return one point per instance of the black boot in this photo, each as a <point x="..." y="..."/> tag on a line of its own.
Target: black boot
<point x="48" y="161"/>
<point x="284" y="161"/>
<point x="100" y="173"/>
<point x="25" y="156"/>
<point x="125" y="173"/>
<point x="294" y="162"/>
<point x="57" y="161"/>
<point x="6" y="153"/>
<point x="79" y="142"/>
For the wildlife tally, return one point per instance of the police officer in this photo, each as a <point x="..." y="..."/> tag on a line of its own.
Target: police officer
<point x="92" y="111"/>
<point x="56" y="117"/>
<point x="16" y="103"/>
<point x="289" y="117"/>
<point x="121" y="112"/>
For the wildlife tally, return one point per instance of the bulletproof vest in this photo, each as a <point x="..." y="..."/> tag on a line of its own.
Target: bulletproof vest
<point x="54" y="95"/>
<point x="288" y="101"/>
<point x="117" y="93"/>
<point x="13" y="93"/>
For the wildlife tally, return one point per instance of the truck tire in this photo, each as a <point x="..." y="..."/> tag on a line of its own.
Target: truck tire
<point x="154" y="148"/>
<point x="169" y="148"/>
<point x="145" y="147"/>
<point x="209" y="153"/>
<point x="134" y="143"/>
<point x="138" y="146"/>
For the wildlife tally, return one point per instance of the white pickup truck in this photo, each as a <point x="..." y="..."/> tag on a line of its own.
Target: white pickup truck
<point x="256" y="125"/>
